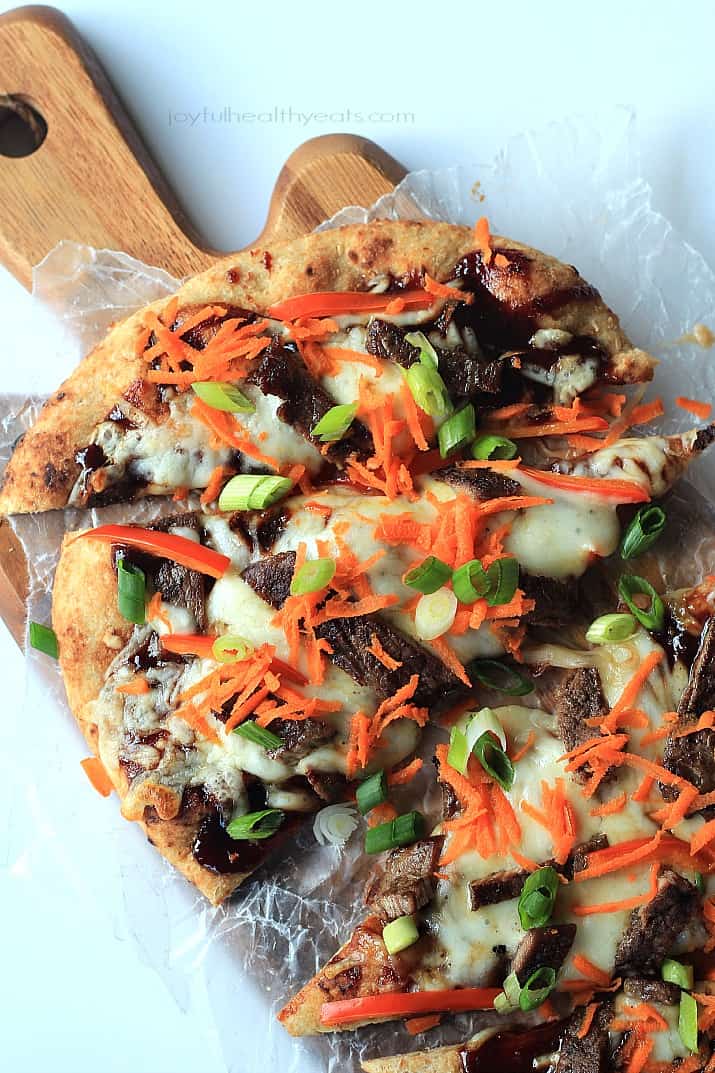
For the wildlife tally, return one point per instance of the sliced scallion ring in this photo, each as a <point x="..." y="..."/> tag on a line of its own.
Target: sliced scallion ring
<point x="512" y="988"/>
<point x="255" y="826"/>
<point x="224" y="397"/>
<point x="494" y="760"/>
<point x="230" y="648"/>
<point x="479" y="723"/>
<point x="131" y="592"/>
<point x="503" y="578"/>
<point x="428" y="389"/>
<point x="334" y="824"/>
<point x="537" y="898"/>
<point x="258" y="735"/>
<point x="335" y="423"/>
<point x="698" y="881"/>
<point x="494" y="674"/>
<point x="493" y="447"/>
<point x="435" y="614"/>
<point x="253" y="491"/>
<point x="611" y="629"/>
<point x="429" y="576"/>
<point x="629" y="586"/>
<point x="457" y="431"/>
<point x="371" y="792"/>
<point x="688" y="1021"/>
<point x="312" y="576"/>
<point x="470" y="582"/>
<point x="537" y="988"/>
<point x="643" y="531"/>
<point x="399" y="934"/>
<point x="502" y="1004"/>
<point x="675" y="972"/>
<point x="44" y="639"/>
<point x="428" y="354"/>
<point x="402" y="831"/>
<point x="458" y="753"/>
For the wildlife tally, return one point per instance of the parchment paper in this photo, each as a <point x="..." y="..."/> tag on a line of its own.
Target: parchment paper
<point x="571" y="190"/>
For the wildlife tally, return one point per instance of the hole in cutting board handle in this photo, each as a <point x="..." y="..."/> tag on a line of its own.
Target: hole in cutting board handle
<point x="22" y="128"/>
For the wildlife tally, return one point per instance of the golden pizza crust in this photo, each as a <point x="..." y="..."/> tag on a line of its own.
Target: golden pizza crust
<point x="43" y="468"/>
<point x="440" y="1060"/>
<point x="90" y="633"/>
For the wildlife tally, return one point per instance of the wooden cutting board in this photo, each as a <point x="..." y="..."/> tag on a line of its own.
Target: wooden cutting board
<point x="72" y="166"/>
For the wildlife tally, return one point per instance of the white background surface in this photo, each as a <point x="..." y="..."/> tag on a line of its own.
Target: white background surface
<point x="74" y="998"/>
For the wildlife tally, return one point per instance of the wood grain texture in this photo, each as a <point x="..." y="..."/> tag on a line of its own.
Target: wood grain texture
<point x="92" y="180"/>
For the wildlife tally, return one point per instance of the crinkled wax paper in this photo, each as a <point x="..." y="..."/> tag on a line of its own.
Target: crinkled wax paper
<point x="571" y="190"/>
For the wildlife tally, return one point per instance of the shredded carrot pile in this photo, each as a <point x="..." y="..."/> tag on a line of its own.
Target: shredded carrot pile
<point x="366" y="731"/>
<point x="385" y="471"/>
<point x="487" y="822"/>
<point x="227" y="430"/>
<point x="557" y="817"/>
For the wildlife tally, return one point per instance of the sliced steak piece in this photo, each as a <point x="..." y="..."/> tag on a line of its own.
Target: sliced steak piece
<point x="498" y="887"/>
<point x="479" y="483"/>
<point x="403" y="882"/>
<point x="542" y="947"/>
<point x="654" y="927"/>
<point x="177" y="584"/>
<point x="592" y="1053"/>
<point x="350" y="637"/>
<point x="386" y="340"/>
<point x="282" y="372"/>
<point x="329" y="786"/>
<point x="573" y="697"/>
<point x="646" y="990"/>
<point x="557" y="600"/>
<point x="692" y="756"/>
<point x="299" y="736"/>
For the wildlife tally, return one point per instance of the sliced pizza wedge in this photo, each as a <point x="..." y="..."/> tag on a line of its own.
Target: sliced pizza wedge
<point x="573" y="862"/>
<point x="243" y="369"/>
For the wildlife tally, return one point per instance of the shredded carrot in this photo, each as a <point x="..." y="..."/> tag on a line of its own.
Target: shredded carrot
<point x="623" y="491"/>
<point x="135" y="688"/>
<point x="590" y="971"/>
<point x="639" y="1056"/>
<point x="632" y="688"/>
<point x="547" y="428"/>
<point x="216" y="481"/>
<point x="381" y="814"/>
<point x="412" y="416"/>
<point x="588" y="1016"/>
<point x="441" y="290"/>
<point x="528" y="744"/>
<point x="483" y="239"/>
<point x="448" y="657"/>
<point x="702" y="837"/>
<point x="404" y="774"/>
<point x="501" y="261"/>
<point x="700" y="409"/>
<point x="383" y="657"/>
<point x="228" y="430"/>
<point x="499" y="465"/>
<point x="96" y="772"/>
<point x="609" y="808"/>
<point x="624" y="903"/>
<point x="415" y="1025"/>
<point x="154" y="611"/>
<point x="647" y="411"/>
<point x="180" y="494"/>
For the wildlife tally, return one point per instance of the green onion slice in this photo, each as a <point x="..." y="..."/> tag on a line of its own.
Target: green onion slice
<point x="225" y="397"/>
<point x="371" y="792"/>
<point x="537" y="988"/>
<point x="501" y="1003"/>
<point x="253" y="491"/>
<point x="688" y="1021"/>
<point x="312" y="576"/>
<point x="493" y="674"/>
<point x="494" y="760"/>
<point x="675" y="972"/>
<point x="256" y="825"/>
<point x="493" y="447"/>
<point x="230" y="648"/>
<point x="258" y="735"/>
<point x="631" y="584"/>
<point x="536" y="902"/>
<point x="643" y="532"/>
<point x="610" y="629"/>
<point x="429" y="576"/>
<point x="478" y="723"/>
<point x="470" y="582"/>
<point x="402" y="831"/>
<point x="457" y="431"/>
<point x="503" y="578"/>
<point x="428" y="389"/>
<point x="131" y="592"/>
<point x="44" y="639"/>
<point x="435" y="613"/>
<point x="335" y="423"/>
<point x="428" y="354"/>
<point x="399" y="934"/>
<point x="698" y="881"/>
<point x="458" y="753"/>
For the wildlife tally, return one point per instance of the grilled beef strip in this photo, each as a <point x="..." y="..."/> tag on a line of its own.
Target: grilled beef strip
<point x="653" y="928"/>
<point x="506" y="884"/>
<point x="329" y="786"/>
<point x="479" y="483"/>
<point x="647" y="990"/>
<point x="403" y="881"/>
<point x="573" y="697"/>
<point x="545" y="947"/>
<point x="557" y="599"/>
<point x="590" y="1053"/>
<point x="281" y="371"/>
<point x="349" y="638"/>
<point x="692" y="756"/>
<point x="299" y="737"/>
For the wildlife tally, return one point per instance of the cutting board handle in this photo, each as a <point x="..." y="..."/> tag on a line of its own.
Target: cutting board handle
<point x="88" y="176"/>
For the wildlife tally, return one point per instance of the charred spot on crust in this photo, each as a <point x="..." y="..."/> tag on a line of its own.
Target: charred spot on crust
<point x="233" y="275"/>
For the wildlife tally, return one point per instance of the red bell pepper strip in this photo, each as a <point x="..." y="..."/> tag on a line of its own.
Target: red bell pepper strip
<point x="179" y="549"/>
<point x="333" y="303"/>
<point x="406" y="1003"/>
